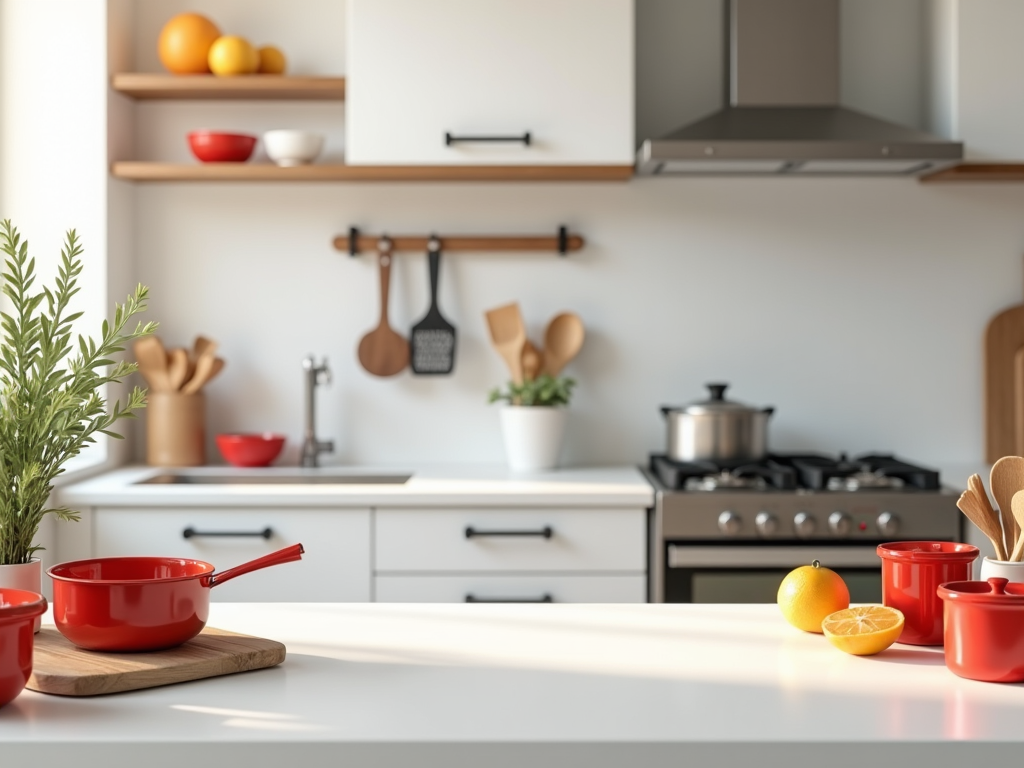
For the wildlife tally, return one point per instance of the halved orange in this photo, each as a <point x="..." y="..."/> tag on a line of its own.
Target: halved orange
<point x="865" y="630"/>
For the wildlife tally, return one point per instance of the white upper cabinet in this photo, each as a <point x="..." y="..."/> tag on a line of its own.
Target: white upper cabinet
<point x="551" y="80"/>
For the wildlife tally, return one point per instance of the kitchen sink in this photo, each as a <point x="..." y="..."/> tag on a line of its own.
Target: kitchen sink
<point x="173" y="478"/>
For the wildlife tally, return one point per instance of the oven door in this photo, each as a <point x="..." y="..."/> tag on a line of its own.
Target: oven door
<point x="710" y="573"/>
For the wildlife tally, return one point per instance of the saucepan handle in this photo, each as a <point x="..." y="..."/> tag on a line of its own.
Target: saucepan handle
<point x="286" y="555"/>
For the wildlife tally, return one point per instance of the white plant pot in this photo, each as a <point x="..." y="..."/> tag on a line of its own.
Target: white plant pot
<point x="533" y="436"/>
<point x="27" y="576"/>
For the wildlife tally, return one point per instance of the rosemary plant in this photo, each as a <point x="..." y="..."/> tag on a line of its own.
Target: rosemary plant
<point x="51" y="404"/>
<point x="544" y="390"/>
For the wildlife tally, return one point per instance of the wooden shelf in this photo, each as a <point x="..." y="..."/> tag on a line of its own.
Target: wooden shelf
<point x="147" y="171"/>
<point x="141" y="85"/>
<point x="977" y="172"/>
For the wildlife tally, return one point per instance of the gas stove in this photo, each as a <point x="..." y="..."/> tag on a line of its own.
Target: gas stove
<point x="773" y="515"/>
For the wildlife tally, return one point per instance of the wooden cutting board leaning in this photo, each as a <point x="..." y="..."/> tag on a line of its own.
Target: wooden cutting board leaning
<point x="58" y="667"/>
<point x="1004" y="378"/>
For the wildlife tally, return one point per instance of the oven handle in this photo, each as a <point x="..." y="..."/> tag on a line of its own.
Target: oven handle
<point x="733" y="558"/>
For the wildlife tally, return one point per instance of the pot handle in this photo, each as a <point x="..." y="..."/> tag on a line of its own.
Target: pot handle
<point x="667" y="409"/>
<point x="286" y="555"/>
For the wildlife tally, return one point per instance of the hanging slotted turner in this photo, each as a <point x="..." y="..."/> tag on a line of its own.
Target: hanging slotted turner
<point x="432" y="343"/>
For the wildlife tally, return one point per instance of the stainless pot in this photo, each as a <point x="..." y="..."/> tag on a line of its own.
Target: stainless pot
<point x="717" y="430"/>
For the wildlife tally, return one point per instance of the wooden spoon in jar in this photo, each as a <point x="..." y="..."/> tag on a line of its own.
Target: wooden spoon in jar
<point x="970" y="505"/>
<point x="562" y="341"/>
<point x="1006" y="479"/>
<point x="1018" y="514"/>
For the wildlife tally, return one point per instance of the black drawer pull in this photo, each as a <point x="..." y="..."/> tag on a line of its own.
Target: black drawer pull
<point x="525" y="139"/>
<point x="542" y="599"/>
<point x="545" y="533"/>
<point x="191" y="532"/>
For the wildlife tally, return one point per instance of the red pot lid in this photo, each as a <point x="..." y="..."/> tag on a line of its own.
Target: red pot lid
<point x="995" y="591"/>
<point x="928" y="552"/>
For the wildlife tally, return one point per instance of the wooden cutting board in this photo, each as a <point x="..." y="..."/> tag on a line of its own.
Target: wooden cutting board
<point x="59" y="667"/>
<point x="1003" y="337"/>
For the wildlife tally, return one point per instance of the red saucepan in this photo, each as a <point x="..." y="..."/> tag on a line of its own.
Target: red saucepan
<point x="141" y="603"/>
<point x="985" y="629"/>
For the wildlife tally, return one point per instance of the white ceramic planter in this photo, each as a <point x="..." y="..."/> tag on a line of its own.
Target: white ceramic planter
<point x="1001" y="569"/>
<point x="533" y="436"/>
<point x="27" y="576"/>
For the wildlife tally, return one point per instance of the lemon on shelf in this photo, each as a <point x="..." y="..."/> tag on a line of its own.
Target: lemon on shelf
<point x="864" y="630"/>
<point x="233" y="55"/>
<point x="272" y="61"/>
<point x="810" y="593"/>
<point x="184" y="43"/>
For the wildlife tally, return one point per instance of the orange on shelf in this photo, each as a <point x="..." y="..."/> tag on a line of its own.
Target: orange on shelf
<point x="184" y="43"/>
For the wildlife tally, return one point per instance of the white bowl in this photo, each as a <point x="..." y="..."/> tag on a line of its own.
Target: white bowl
<point x="288" y="147"/>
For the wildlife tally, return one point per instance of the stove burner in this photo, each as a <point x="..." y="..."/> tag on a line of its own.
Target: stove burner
<point x="863" y="481"/>
<point x="725" y="480"/>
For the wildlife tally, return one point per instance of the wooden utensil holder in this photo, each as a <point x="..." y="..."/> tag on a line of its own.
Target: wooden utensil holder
<point x="175" y="429"/>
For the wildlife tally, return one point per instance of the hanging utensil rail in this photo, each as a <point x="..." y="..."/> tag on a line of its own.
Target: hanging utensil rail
<point x="356" y="242"/>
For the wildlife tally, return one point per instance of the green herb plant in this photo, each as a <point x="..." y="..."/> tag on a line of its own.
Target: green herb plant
<point x="543" y="390"/>
<point x="51" y="404"/>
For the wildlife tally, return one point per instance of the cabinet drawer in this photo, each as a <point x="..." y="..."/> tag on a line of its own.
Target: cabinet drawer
<point x="483" y="588"/>
<point x="336" y="566"/>
<point x="510" y="540"/>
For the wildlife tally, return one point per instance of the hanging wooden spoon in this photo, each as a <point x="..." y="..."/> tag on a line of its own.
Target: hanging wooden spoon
<point x="1006" y="479"/>
<point x="152" y="359"/>
<point x="508" y="335"/>
<point x="562" y="341"/>
<point x="971" y="506"/>
<point x="1017" y="505"/>
<point x="382" y="351"/>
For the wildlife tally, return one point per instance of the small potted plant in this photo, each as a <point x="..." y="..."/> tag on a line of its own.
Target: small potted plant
<point x="51" y="403"/>
<point x="533" y="421"/>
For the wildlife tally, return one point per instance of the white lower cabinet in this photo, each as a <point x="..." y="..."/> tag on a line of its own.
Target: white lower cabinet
<point x="521" y="588"/>
<point x="335" y="567"/>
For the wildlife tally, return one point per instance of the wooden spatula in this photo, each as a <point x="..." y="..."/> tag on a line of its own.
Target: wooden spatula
<point x="562" y="341"/>
<point x="971" y="506"/>
<point x="383" y="352"/>
<point x="207" y="367"/>
<point x="508" y="335"/>
<point x="1018" y="514"/>
<point x="1006" y="479"/>
<point x="152" y="359"/>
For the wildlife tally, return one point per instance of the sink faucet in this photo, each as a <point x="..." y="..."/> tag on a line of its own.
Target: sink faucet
<point x="311" y="447"/>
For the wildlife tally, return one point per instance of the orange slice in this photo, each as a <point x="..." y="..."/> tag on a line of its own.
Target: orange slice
<point x="865" y="630"/>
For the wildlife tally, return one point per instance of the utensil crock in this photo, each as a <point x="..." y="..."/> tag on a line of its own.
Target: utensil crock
<point x="911" y="573"/>
<point x="141" y="603"/>
<point x="19" y="610"/>
<point x="1003" y="569"/>
<point x="984" y="634"/>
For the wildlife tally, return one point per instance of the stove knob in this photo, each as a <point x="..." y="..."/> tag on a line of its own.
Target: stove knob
<point x="729" y="523"/>
<point x="804" y="525"/>
<point x="766" y="523"/>
<point x="888" y="524"/>
<point x="840" y="523"/>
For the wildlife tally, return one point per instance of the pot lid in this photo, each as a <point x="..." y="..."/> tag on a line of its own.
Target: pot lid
<point x="995" y="591"/>
<point x="716" y="404"/>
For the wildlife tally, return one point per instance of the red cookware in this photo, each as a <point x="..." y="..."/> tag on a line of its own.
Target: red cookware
<point x="18" y="612"/>
<point x="250" y="450"/>
<point x="985" y="629"/>
<point x="220" y="147"/>
<point x="911" y="574"/>
<point x="141" y="603"/>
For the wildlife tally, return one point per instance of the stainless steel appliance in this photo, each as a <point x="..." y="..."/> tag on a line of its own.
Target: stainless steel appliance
<point x="730" y="534"/>
<point x="717" y="430"/>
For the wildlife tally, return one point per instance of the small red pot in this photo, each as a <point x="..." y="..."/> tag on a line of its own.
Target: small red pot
<point x="219" y="147"/>
<point x="985" y="629"/>
<point x="19" y="610"/>
<point x="911" y="574"/>
<point x="141" y="603"/>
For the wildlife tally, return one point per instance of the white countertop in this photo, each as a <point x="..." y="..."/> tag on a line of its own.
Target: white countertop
<point x="428" y="486"/>
<point x="503" y="685"/>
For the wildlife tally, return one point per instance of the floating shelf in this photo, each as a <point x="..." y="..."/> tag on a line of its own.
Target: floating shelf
<point x="562" y="242"/>
<point x="148" y="171"/>
<point x="141" y="85"/>
<point x="977" y="172"/>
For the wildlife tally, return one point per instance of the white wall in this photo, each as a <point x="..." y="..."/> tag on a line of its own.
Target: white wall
<point x="854" y="306"/>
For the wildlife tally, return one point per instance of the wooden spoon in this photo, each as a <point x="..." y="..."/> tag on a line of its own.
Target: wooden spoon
<point x="207" y="367"/>
<point x="508" y="337"/>
<point x="533" y="360"/>
<point x="1018" y="514"/>
<point x="978" y="489"/>
<point x="202" y="345"/>
<point x="177" y="367"/>
<point x="382" y="351"/>
<point x="1006" y="479"/>
<point x="971" y="506"/>
<point x="562" y="341"/>
<point x="152" y="359"/>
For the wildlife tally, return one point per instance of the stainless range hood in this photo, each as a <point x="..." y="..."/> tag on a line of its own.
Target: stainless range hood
<point x="784" y="115"/>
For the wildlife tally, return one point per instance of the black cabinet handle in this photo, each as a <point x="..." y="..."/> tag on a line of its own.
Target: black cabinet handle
<point x="470" y="598"/>
<point x="544" y="533"/>
<point x="191" y="532"/>
<point x="525" y="139"/>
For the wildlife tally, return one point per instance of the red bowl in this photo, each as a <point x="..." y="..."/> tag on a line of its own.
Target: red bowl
<point x="250" y="450"/>
<point x="18" y="611"/>
<point x="216" y="147"/>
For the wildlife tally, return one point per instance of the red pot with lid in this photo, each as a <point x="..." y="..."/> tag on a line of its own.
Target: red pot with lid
<point x="912" y="572"/>
<point x="985" y="629"/>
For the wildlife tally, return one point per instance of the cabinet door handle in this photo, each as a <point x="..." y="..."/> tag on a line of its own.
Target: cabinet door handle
<point x="545" y="598"/>
<point x="525" y="139"/>
<point x="190" y="533"/>
<point x="543" y="533"/>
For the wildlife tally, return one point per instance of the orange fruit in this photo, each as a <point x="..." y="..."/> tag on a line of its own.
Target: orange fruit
<point x="185" y="43"/>
<point x="863" y="631"/>
<point x="810" y="593"/>
<point x="233" y="55"/>
<point x="272" y="61"/>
